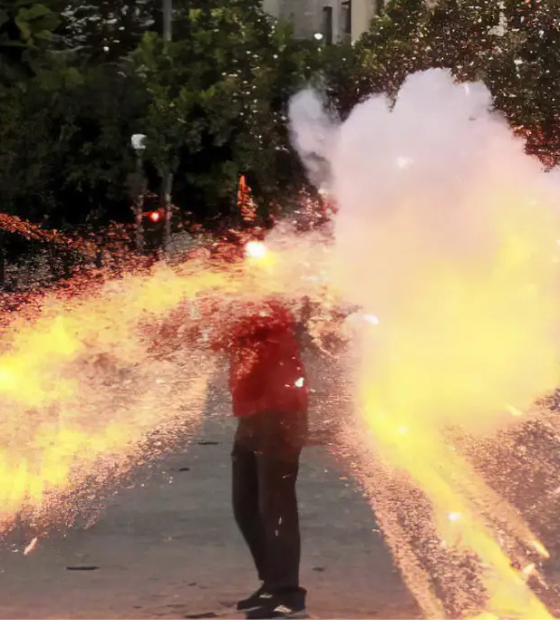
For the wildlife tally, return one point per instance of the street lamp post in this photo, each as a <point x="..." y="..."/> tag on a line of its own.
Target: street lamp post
<point x="167" y="177"/>
<point x="167" y="19"/>
<point x="165" y="201"/>
<point x="138" y="142"/>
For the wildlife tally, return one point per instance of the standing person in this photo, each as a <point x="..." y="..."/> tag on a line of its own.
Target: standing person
<point x="269" y="393"/>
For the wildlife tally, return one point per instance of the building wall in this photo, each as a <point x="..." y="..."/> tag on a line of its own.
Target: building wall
<point x="305" y="15"/>
<point x="272" y="7"/>
<point x="362" y="13"/>
<point x="308" y="16"/>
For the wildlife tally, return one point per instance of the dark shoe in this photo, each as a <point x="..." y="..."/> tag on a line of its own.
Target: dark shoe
<point x="257" y="599"/>
<point x="280" y="605"/>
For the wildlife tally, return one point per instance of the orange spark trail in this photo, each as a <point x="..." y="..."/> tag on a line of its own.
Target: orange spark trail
<point x="87" y="382"/>
<point x="81" y="392"/>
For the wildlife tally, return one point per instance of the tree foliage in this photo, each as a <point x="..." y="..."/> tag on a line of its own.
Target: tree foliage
<point x="78" y="79"/>
<point x="26" y="28"/>
<point x="211" y="102"/>
<point x="512" y="46"/>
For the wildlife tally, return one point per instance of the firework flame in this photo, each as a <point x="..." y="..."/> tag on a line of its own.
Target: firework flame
<point x="446" y="233"/>
<point x="446" y="244"/>
<point x="81" y="392"/>
<point x="98" y="383"/>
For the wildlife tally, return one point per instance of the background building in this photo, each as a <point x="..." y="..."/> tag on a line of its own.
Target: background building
<point x="333" y="20"/>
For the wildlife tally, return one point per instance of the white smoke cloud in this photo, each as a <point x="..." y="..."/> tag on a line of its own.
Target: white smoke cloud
<point x="446" y="238"/>
<point x="447" y="232"/>
<point x="440" y="161"/>
<point x="313" y="130"/>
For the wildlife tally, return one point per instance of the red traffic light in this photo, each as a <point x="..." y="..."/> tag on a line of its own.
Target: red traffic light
<point x="155" y="216"/>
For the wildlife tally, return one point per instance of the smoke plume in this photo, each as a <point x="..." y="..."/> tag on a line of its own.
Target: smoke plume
<point x="446" y="232"/>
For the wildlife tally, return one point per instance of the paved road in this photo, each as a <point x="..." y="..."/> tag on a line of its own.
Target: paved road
<point x="169" y="548"/>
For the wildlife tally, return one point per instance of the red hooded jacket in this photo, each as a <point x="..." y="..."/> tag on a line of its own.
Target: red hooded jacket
<point x="266" y="369"/>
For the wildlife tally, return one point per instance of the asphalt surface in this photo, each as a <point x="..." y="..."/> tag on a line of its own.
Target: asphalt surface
<point x="168" y="547"/>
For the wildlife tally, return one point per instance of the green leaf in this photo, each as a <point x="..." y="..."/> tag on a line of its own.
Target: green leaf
<point x="7" y="42"/>
<point x="36" y="11"/>
<point x="24" y="29"/>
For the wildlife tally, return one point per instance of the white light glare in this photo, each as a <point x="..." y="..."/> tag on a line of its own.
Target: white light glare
<point x="404" y="162"/>
<point x="255" y="249"/>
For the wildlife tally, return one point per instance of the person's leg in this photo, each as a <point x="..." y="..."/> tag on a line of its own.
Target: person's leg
<point x="278" y="506"/>
<point x="278" y="443"/>
<point x="245" y="496"/>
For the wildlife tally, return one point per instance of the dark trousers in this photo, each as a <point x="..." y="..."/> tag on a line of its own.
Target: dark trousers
<point x="265" y="457"/>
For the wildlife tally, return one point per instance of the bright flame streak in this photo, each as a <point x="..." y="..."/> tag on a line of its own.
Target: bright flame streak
<point x="540" y="549"/>
<point x="31" y="546"/>
<point x="507" y="591"/>
<point x="477" y="336"/>
<point x="529" y="570"/>
<point x="516" y="413"/>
